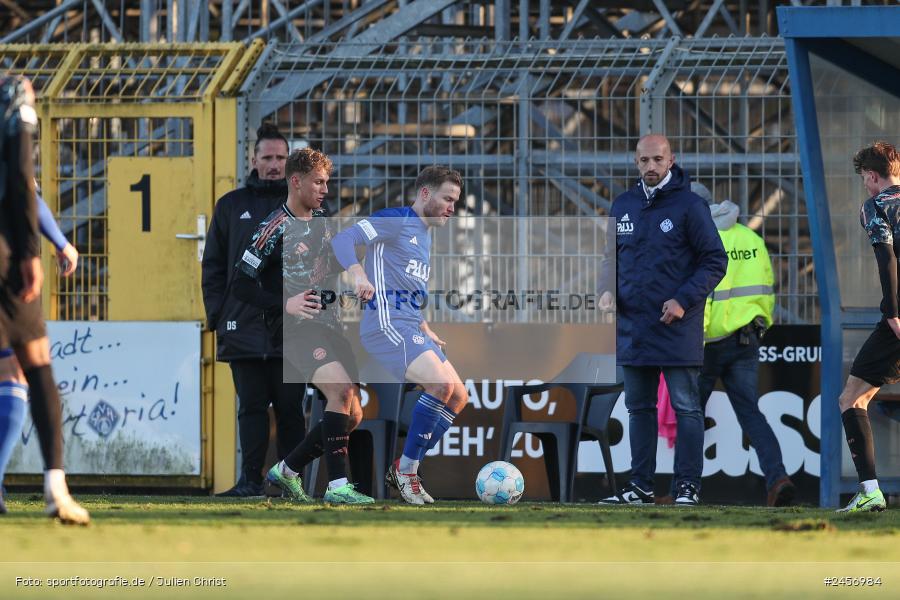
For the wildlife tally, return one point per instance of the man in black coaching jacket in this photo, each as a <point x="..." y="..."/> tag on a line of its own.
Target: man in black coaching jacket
<point x="242" y="339"/>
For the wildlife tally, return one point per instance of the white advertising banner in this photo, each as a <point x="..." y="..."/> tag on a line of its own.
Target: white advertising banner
<point x="131" y="399"/>
<point x="788" y="393"/>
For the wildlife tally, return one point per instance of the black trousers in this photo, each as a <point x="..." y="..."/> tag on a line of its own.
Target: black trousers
<point x="258" y="384"/>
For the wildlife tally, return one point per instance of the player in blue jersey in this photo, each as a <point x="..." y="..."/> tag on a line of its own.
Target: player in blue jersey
<point x="394" y="283"/>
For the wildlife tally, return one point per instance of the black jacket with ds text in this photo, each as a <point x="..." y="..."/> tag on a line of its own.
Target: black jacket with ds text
<point x="241" y="331"/>
<point x="667" y="247"/>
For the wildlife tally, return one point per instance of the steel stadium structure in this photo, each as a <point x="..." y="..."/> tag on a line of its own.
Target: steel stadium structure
<point x="538" y="103"/>
<point x="541" y="127"/>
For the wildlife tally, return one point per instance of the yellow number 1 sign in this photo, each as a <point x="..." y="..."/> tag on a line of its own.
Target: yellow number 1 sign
<point x="156" y="234"/>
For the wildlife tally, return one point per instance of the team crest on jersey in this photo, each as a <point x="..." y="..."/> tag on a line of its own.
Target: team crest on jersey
<point x="666" y="226"/>
<point x="418" y="339"/>
<point x="319" y="353"/>
<point x="301" y="248"/>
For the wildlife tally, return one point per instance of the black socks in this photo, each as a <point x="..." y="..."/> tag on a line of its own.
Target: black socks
<point x="860" y="440"/>
<point x="306" y="451"/>
<point x="46" y="412"/>
<point x="329" y="437"/>
<point x="335" y="437"/>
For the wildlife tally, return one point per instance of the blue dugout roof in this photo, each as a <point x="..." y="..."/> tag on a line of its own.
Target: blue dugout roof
<point x="865" y="42"/>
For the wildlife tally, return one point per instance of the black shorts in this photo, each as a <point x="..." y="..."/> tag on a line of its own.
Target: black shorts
<point x="20" y="322"/>
<point x="878" y="361"/>
<point x="310" y="346"/>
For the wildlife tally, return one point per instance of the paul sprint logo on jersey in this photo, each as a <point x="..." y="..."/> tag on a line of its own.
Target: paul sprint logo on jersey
<point x="418" y="269"/>
<point x="624" y="226"/>
<point x="666" y="226"/>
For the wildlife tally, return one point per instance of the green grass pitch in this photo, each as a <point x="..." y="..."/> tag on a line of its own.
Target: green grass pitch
<point x="215" y="548"/>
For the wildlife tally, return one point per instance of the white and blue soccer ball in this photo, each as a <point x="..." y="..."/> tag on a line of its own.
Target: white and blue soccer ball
<point x="499" y="482"/>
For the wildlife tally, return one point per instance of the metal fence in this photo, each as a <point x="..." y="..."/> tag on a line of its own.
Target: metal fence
<point x="96" y="102"/>
<point x="493" y="269"/>
<point x="549" y="128"/>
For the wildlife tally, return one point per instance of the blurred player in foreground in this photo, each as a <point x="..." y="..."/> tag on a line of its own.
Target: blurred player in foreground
<point x="22" y="329"/>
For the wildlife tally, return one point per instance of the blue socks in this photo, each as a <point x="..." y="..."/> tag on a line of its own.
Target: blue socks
<point x="425" y="418"/>
<point x="430" y="421"/>
<point x="443" y="424"/>
<point x="13" y="401"/>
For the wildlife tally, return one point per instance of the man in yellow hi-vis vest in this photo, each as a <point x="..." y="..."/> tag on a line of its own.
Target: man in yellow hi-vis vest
<point x="737" y="313"/>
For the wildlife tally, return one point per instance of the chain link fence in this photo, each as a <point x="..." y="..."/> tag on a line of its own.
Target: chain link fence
<point x="96" y="102"/>
<point x="547" y="129"/>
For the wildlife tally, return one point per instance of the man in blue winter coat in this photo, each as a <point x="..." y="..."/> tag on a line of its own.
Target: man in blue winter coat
<point x="669" y="257"/>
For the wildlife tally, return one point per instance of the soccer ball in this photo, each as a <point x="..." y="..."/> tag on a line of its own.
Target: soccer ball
<point x="499" y="482"/>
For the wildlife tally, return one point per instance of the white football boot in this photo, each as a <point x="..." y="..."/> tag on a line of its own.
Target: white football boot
<point x="60" y="504"/>
<point x="392" y="478"/>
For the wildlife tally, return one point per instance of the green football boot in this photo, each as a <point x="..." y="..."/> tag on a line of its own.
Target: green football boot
<point x="293" y="486"/>
<point x="347" y="494"/>
<point x="863" y="502"/>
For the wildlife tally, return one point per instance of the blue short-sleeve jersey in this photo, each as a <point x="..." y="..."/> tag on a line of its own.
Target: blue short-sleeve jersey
<point x="398" y="264"/>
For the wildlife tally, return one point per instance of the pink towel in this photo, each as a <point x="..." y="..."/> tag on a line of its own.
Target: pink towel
<point x="665" y="416"/>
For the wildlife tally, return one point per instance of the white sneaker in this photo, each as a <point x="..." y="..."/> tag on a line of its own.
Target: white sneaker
<point x="687" y="494"/>
<point x="631" y="495"/>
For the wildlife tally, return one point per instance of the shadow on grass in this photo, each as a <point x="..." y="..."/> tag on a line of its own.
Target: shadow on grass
<point x="192" y="510"/>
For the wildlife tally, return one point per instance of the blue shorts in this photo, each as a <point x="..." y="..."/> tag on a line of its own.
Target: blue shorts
<point x="396" y="348"/>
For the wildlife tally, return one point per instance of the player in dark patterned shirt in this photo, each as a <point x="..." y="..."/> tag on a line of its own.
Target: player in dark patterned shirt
<point x="878" y="361"/>
<point x="289" y="270"/>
